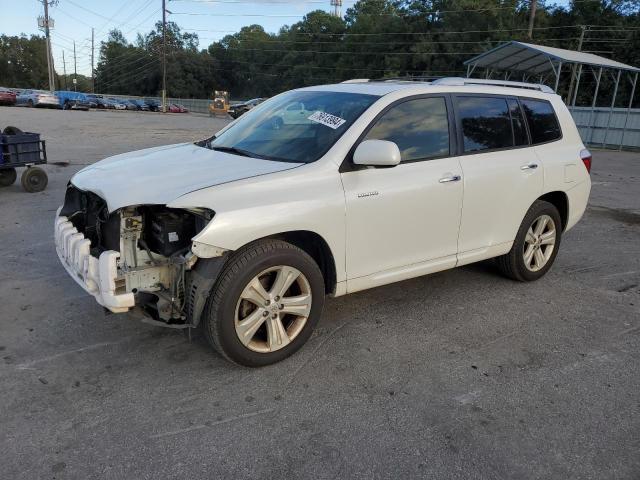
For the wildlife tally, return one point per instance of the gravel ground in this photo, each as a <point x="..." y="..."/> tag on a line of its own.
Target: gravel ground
<point x="461" y="374"/>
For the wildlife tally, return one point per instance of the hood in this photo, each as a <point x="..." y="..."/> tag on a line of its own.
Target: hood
<point x="162" y="174"/>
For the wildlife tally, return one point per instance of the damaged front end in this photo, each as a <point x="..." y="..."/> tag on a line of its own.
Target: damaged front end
<point x="137" y="258"/>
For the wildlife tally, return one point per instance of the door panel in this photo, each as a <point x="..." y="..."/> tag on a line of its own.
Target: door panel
<point x="502" y="174"/>
<point x="401" y="216"/>
<point x="498" y="191"/>
<point x="404" y="221"/>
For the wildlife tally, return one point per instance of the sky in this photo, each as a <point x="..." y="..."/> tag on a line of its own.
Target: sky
<point x="211" y="20"/>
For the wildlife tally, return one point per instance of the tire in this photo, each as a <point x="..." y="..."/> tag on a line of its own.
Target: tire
<point x="30" y="103"/>
<point x="7" y="176"/>
<point x="542" y="245"/>
<point x="12" y="131"/>
<point x="227" y="304"/>
<point x="34" y="179"/>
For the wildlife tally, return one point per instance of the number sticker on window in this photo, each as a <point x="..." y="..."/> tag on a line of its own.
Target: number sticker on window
<point x="326" y="119"/>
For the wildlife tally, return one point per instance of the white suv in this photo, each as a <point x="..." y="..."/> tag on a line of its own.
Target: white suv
<point x="245" y="233"/>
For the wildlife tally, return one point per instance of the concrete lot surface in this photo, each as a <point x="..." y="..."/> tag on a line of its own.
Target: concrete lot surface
<point x="462" y="374"/>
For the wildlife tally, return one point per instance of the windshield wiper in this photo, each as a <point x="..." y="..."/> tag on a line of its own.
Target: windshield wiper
<point x="236" y="150"/>
<point x="247" y="153"/>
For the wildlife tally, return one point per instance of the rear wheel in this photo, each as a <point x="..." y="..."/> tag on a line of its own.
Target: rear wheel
<point x="265" y="304"/>
<point x="34" y="180"/>
<point x="7" y="176"/>
<point x="536" y="245"/>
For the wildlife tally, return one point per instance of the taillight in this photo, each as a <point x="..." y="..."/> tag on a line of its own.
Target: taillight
<point x="585" y="155"/>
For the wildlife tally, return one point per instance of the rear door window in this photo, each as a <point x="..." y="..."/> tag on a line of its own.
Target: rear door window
<point x="486" y="123"/>
<point x="542" y="120"/>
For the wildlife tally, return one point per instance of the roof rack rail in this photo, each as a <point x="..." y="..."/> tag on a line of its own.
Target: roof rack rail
<point x="459" y="81"/>
<point x="356" y="80"/>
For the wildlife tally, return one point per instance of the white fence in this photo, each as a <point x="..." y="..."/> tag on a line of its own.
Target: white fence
<point x="601" y="126"/>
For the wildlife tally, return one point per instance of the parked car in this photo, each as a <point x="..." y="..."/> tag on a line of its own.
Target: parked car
<point x="245" y="233"/>
<point x="177" y="108"/>
<point x="238" y="109"/>
<point x="153" y="105"/>
<point x="70" y="100"/>
<point x="140" y="104"/>
<point x="97" y="101"/>
<point x="116" y="104"/>
<point x="129" y="104"/>
<point x="7" y="97"/>
<point x="37" y="98"/>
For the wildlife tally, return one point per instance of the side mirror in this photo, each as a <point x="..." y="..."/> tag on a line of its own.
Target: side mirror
<point x="377" y="153"/>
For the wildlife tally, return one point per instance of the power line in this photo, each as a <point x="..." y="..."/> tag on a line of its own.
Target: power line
<point x="338" y="42"/>
<point x="436" y="32"/>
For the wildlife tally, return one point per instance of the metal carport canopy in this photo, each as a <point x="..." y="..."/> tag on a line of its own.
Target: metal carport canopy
<point x="538" y="59"/>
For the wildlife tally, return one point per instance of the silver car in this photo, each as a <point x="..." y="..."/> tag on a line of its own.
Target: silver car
<point x="37" y="98"/>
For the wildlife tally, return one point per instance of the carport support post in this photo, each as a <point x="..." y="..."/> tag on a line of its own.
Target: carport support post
<point x="613" y="103"/>
<point x="626" y="118"/>
<point x="576" y="87"/>
<point x="555" y="89"/>
<point x="593" y="103"/>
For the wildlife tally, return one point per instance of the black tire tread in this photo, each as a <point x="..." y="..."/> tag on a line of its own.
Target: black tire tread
<point x="234" y="267"/>
<point x="508" y="264"/>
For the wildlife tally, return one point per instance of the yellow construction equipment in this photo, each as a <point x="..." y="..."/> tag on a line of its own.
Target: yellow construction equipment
<point x="220" y="103"/>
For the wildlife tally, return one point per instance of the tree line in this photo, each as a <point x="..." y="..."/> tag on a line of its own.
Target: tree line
<point x="374" y="39"/>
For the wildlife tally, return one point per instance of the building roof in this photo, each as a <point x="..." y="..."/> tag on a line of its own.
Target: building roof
<point x="535" y="59"/>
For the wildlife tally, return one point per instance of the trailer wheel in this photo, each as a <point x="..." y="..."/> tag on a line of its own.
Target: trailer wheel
<point x="7" y="177"/>
<point x="12" y="131"/>
<point x="34" y="179"/>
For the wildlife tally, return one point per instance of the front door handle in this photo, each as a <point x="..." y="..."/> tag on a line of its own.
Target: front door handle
<point x="452" y="178"/>
<point x="531" y="166"/>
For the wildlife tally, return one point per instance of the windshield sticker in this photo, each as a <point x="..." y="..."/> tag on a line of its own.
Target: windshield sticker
<point x="327" y="119"/>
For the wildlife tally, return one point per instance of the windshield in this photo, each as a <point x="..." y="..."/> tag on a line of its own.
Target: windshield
<point x="298" y="126"/>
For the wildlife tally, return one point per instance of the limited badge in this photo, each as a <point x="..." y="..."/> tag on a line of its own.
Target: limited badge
<point x="326" y="119"/>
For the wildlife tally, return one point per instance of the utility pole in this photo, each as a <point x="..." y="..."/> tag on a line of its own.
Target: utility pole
<point x="583" y="29"/>
<point x="532" y="16"/>
<point x="75" y="71"/>
<point x="64" y="70"/>
<point x="337" y="10"/>
<point x="45" y="24"/>
<point x="164" y="56"/>
<point x="93" y="82"/>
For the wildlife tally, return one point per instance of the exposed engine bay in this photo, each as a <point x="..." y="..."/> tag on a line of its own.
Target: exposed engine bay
<point x="154" y="246"/>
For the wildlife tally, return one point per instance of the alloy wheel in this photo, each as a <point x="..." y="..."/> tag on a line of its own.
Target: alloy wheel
<point x="273" y="309"/>
<point x="539" y="243"/>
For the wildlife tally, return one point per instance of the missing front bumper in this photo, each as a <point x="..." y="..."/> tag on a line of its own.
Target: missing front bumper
<point x="98" y="276"/>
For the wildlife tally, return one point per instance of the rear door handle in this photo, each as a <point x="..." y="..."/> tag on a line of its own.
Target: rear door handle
<point x="452" y="178"/>
<point x="531" y="166"/>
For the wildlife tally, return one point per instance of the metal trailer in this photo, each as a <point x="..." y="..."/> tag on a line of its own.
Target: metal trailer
<point x="22" y="149"/>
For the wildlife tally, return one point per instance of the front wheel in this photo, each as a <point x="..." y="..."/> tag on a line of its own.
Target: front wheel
<point x="265" y="304"/>
<point x="536" y="245"/>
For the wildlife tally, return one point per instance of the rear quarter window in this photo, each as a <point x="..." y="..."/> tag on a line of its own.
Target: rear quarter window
<point x="542" y="120"/>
